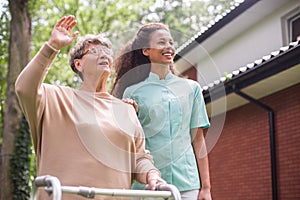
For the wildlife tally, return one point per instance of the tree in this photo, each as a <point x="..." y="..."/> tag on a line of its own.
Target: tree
<point x="186" y="18"/>
<point x="4" y="40"/>
<point x="19" y="48"/>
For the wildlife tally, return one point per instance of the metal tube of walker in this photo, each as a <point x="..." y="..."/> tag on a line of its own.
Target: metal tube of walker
<point x="53" y="187"/>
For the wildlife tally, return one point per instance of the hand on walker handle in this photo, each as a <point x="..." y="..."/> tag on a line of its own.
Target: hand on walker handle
<point x="61" y="33"/>
<point x="153" y="179"/>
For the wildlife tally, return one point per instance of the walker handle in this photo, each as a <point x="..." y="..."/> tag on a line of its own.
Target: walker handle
<point x="167" y="187"/>
<point x="52" y="185"/>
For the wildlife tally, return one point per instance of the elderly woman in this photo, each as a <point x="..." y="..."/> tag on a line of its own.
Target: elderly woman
<point x="82" y="136"/>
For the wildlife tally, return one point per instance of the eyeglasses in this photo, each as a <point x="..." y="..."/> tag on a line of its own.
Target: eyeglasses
<point x="97" y="50"/>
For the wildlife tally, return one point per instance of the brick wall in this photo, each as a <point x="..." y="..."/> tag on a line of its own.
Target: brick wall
<point x="240" y="165"/>
<point x="191" y="73"/>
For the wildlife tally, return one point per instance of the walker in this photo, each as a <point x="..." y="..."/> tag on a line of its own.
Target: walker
<point x="53" y="187"/>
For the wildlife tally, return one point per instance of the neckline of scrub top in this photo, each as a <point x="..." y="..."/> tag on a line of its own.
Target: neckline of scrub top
<point x="154" y="77"/>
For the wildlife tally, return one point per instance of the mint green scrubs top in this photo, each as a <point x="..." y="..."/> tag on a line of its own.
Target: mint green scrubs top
<point x="167" y="110"/>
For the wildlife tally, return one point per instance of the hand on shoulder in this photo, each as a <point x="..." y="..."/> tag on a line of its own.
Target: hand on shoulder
<point x="131" y="102"/>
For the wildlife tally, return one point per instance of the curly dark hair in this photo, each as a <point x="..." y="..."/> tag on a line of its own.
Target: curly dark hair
<point x="131" y="60"/>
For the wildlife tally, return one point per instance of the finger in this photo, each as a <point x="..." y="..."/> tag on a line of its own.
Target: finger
<point x="61" y="21"/>
<point x="66" y="21"/>
<point x="70" y="22"/>
<point x="129" y="101"/>
<point x="71" y="26"/>
<point x="74" y="35"/>
<point x="153" y="184"/>
<point x="162" y="180"/>
<point x="135" y="106"/>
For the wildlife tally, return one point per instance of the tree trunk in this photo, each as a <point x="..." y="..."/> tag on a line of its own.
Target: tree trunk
<point x="19" y="54"/>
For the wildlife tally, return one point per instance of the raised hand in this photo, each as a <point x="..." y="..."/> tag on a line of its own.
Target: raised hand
<point x="61" y="33"/>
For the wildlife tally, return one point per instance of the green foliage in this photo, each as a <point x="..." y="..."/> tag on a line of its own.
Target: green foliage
<point x="21" y="173"/>
<point x="119" y="20"/>
<point x="106" y="16"/>
<point x="186" y="18"/>
<point x="4" y="39"/>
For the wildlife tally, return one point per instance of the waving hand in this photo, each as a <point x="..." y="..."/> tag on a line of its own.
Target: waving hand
<point x="61" y="35"/>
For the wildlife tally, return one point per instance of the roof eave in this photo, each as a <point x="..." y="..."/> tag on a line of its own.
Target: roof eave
<point x="216" y="27"/>
<point x="283" y="61"/>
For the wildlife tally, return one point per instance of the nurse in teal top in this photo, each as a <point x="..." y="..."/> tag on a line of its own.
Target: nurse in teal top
<point x="170" y="109"/>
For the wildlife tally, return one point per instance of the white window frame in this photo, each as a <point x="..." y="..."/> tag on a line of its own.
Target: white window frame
<point x="287" y="25"/>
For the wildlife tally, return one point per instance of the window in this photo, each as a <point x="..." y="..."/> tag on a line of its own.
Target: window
<point x="295" y="28"/>
<point x="291" y="26"/>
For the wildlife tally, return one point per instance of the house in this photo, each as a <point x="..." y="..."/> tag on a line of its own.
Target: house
<point x="248" y="64"/>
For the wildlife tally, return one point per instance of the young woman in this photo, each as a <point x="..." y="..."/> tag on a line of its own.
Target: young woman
<point x="85" y="136"/>
<point x="171" y="110"/>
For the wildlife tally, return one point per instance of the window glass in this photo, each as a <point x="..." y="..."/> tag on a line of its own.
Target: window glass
<point x="295" y="29"/>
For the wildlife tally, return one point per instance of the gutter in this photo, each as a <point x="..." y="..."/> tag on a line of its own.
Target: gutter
<point x="283" y="60"/>
<point x="272" y="140"/>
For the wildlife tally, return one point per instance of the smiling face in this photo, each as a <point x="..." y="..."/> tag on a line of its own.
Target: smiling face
<point x="161" y="50"/>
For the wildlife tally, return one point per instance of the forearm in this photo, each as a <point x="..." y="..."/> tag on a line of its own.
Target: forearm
<point x="203" y="167"/>
<point x="202" y="158"/>
<point x="33" y="75"/>
<point x="153" y="177"/>
<point x="143" y="167"/>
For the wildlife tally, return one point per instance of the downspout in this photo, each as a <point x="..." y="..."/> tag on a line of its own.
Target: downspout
<point x="272" y="139"/>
